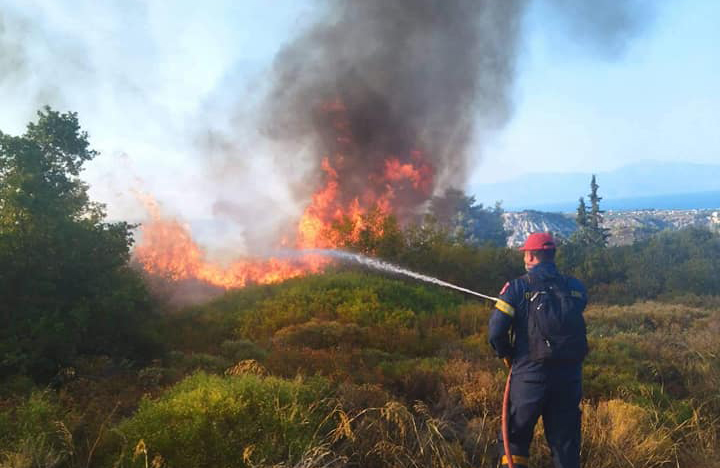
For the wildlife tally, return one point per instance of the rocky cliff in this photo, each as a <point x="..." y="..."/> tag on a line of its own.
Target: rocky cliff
<point x="625" y="227"/>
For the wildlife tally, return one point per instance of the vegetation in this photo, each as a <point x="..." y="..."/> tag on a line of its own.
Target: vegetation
<point x="347" y="368"/>
<point x="467" y="221"/>
<point x="65" y="283"/>
<point x="590" y="231"/>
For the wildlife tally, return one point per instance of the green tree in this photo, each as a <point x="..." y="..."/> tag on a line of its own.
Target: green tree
<point x="590" y="232"/>
<point x="598" y="235"/>
<point x="65" y="283"/>
<point x="466" y="220"/>
<point x="582" y="217"/>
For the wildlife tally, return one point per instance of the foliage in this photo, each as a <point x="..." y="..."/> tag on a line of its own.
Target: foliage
<point x="668" y="264"/>
<point x="321" y="334"/>
<point x="347" y="297"/>
<point x="33" y="452"/>
<point x="590" y="232"/>
<point x="467" y="221"/>
<point x="208" y="420"/>
<point x="240" y="350"/>
<point x="654" y="361"/>
<point x="32" y="416"/>
<point x="65" y="284"/>
<point x="480" y="268"/>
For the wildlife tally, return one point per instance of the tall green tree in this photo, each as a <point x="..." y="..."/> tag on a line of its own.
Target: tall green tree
<point x="65" y="283"/>
<point x="591" y="232"/>
<point x="599" y="234"/>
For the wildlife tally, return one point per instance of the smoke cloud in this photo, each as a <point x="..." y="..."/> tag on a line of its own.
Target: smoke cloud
<point x="377" y="79"/>
<point x="416" y="80"/>
<point x="396" y="78"/>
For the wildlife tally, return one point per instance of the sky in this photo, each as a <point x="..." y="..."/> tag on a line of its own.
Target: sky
<point x="160" y="85"/>
<point x="576" y="112"/>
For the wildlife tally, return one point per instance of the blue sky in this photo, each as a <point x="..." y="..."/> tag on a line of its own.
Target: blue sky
<point x="575" y="112"/>
<point x="151" y="81"/>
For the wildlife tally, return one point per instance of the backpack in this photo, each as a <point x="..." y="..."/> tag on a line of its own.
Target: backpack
<point x="556" y="326"/>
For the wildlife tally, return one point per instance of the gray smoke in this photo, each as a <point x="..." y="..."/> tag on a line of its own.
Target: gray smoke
<point x="395" y="78"/>
<point x="414" y="77"/>
<point x="379" y="78"/>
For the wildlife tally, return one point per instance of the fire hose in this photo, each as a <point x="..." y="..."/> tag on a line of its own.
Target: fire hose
<point x="505" y="423"/>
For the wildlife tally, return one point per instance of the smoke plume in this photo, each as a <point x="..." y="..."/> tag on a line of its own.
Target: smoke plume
<point x="373" y="80"/>
<point x="402" y="79"/>
<point x="399" y="92"/>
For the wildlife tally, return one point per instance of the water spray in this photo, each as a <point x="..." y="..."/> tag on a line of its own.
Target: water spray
<point x="391" y="268"/>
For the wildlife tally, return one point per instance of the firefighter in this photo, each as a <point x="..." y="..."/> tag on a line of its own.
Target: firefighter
<point x="540" y="386"/>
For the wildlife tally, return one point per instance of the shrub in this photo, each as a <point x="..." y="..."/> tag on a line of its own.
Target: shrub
<point x="207" y="420"/>
<point x="364" y="299"/>
<point x="30" y="434"/>
<point x="318" y="334"/>
<point x="199" y="361"/>
<point x="239" y="350"/>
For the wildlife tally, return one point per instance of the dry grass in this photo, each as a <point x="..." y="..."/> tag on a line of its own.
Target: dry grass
<point x="392" y="435"/>
<point x="618" y="433"/>
<point x="33" y="452"/>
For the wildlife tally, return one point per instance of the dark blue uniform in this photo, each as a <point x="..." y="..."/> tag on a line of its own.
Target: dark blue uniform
<point x="550" y="390"/>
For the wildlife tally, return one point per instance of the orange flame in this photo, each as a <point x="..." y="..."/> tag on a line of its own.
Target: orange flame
<point x="167" y="249"/>
<point x="333" y="217"/>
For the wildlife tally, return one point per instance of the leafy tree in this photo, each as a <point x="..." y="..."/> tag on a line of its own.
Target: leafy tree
<point x="65" y="284"/>
<point x="466" y="220"/>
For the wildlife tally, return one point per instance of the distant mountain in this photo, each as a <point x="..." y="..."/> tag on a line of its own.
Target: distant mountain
<point x="676" y="185"/>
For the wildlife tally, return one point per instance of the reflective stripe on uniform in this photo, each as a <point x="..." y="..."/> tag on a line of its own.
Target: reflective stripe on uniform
<point x="516" y="459"/>
<point x="505" y="307"/>
<point x="577" y="294"/>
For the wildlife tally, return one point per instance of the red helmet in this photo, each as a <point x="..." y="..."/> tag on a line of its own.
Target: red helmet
<point x="539" y="241"/>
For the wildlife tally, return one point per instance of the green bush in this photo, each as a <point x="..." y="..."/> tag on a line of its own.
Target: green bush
<point x="34" y="416"/>
<point x="321" y="334"/>
<point x="240" y="350"/>
<point x="207" y="420"/>
<point x="365" y="299"/>
<point x="191" y="362"/>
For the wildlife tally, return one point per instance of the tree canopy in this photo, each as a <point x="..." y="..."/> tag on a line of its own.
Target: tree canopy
<point x="65" y="283"/>
<point x="466" y="220"/>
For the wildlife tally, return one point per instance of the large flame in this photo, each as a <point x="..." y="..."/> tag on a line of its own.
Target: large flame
<point x="337" y="214"/>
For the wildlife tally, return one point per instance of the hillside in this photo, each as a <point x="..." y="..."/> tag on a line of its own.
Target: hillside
<point x="625" y="227"/>
<point x="354" y="369"/>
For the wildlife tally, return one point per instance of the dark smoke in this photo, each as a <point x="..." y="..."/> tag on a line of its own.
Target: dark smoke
<point x="396" y="78"/>
<point x="416" y="75"/>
